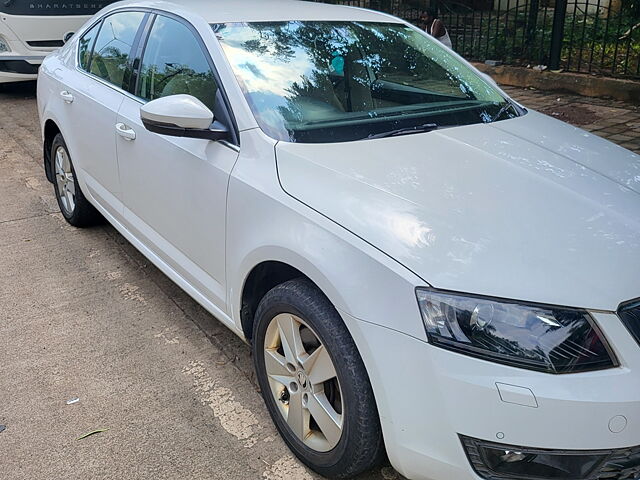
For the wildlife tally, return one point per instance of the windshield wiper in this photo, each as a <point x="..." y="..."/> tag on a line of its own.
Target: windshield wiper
<point x="425" y="127"/>
<point x="505" y="108"/>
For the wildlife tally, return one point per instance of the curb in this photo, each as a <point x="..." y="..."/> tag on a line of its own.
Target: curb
<point x="582" y="84"/>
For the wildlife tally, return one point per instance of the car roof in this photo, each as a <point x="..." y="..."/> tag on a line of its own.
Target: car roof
<point x="223" y="11"/>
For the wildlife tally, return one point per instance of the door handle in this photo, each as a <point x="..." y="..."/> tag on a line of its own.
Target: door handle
<point x="66" y="96"/>
<point x="125" y="132"/>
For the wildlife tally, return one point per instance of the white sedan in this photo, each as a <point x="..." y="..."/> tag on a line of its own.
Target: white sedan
<point x="422" y="266"/>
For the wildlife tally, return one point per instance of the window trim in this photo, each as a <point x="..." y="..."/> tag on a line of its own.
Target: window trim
<point x="141" y="47"/>
<point x="131" y="72"/>
<point x="93" y="44"/>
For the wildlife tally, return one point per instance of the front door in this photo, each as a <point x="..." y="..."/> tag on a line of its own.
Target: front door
<point x="175" y="189"/>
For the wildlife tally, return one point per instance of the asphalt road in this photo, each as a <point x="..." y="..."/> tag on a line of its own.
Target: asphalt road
<point x="84" y="315"/>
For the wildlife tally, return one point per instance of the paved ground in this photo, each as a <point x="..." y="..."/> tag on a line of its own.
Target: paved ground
<point x="85" y="315"/>
<point x="617" y="121"/>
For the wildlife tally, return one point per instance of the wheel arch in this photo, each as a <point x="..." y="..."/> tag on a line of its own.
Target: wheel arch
<point x="49" y="132"/>
<point x="261" y="275"/>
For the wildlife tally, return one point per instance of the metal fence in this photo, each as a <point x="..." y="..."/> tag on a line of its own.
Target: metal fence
<point x="590" y="36"/>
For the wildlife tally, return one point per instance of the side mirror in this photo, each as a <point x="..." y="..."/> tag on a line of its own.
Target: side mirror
<point x="181" y="116"/>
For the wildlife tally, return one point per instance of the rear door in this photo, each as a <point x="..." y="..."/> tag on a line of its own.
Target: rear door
<point x="175" y="189"/>
<point x="91" y="96"/>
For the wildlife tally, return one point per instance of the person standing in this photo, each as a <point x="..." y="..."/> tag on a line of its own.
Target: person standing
<point x="431" y="24"/>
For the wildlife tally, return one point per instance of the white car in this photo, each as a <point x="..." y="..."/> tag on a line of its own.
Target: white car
<point x="421" y="265"/>
<point x="30" y="30"/>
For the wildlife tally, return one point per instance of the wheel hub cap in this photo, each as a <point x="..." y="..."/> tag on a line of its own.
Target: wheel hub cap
<point x="302" y="379"/>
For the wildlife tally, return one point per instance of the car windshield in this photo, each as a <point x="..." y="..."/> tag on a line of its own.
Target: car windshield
<point x="326" y="81"/>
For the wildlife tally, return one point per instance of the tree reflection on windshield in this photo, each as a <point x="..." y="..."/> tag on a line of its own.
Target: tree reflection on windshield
<point x="310" y="81"/>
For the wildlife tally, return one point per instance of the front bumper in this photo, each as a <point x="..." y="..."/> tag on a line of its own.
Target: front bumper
<point x="428" y="396"/>
<point x="16" y="68"/>
<point x="21" y="62"/>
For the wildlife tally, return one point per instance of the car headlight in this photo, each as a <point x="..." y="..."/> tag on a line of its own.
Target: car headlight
<point x="538" y="337"/>
<point x="4" y="45"/>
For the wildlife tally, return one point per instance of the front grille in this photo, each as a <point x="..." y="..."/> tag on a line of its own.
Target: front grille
<point x="45" y="43"/>
<point x="629" y="313"/>
<point x="18" y="66"/>
<point x="622" y="465"/>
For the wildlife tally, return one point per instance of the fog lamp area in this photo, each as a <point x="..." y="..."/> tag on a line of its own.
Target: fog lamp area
<point x="4" y="45"/>
<point x="494" y="461"/>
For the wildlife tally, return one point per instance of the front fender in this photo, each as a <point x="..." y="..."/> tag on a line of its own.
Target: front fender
<point x="266" y="224"/>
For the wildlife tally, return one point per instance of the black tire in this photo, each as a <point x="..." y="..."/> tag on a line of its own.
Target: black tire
<point x="361" y="446"/>
<point x="83" y="214"/>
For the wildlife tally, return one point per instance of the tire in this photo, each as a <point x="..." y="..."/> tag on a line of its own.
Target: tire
<point x="75" y="208"/>
<point x="356" y="446"/>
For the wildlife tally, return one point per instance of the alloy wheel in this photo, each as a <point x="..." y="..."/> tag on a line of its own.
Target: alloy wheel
<point x="303" y="382"/>
<point x="65" y="181"/>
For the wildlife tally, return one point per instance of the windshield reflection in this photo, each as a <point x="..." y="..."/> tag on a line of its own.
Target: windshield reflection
<point x="310" y="81"/>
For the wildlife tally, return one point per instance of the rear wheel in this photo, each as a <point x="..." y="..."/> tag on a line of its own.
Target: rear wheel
<point x="314" y="382"/>
<point x="75" y="208"/>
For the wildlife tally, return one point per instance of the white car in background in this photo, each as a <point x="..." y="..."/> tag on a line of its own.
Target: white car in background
<point x="421" y="265"/>
<point x="30" y="30"/>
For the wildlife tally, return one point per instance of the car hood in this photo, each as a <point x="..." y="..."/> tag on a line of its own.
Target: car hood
<point x="529" y="208"/>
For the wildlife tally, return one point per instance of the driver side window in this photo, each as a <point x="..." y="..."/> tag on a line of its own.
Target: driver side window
<point x="174" y="63"/>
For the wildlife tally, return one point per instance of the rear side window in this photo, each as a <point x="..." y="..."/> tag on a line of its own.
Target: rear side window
<point x="113" y="46"/>
<point x="174" y="63"/>
<point x="85" y="46"/>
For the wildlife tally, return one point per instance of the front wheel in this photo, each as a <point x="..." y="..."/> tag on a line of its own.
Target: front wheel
<point x="314" y="382"/>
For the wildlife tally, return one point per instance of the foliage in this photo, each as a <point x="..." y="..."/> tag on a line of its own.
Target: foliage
<point x="631" y="8"/>
<point x="591" y="42"/>
<point x="596" y="39"/>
